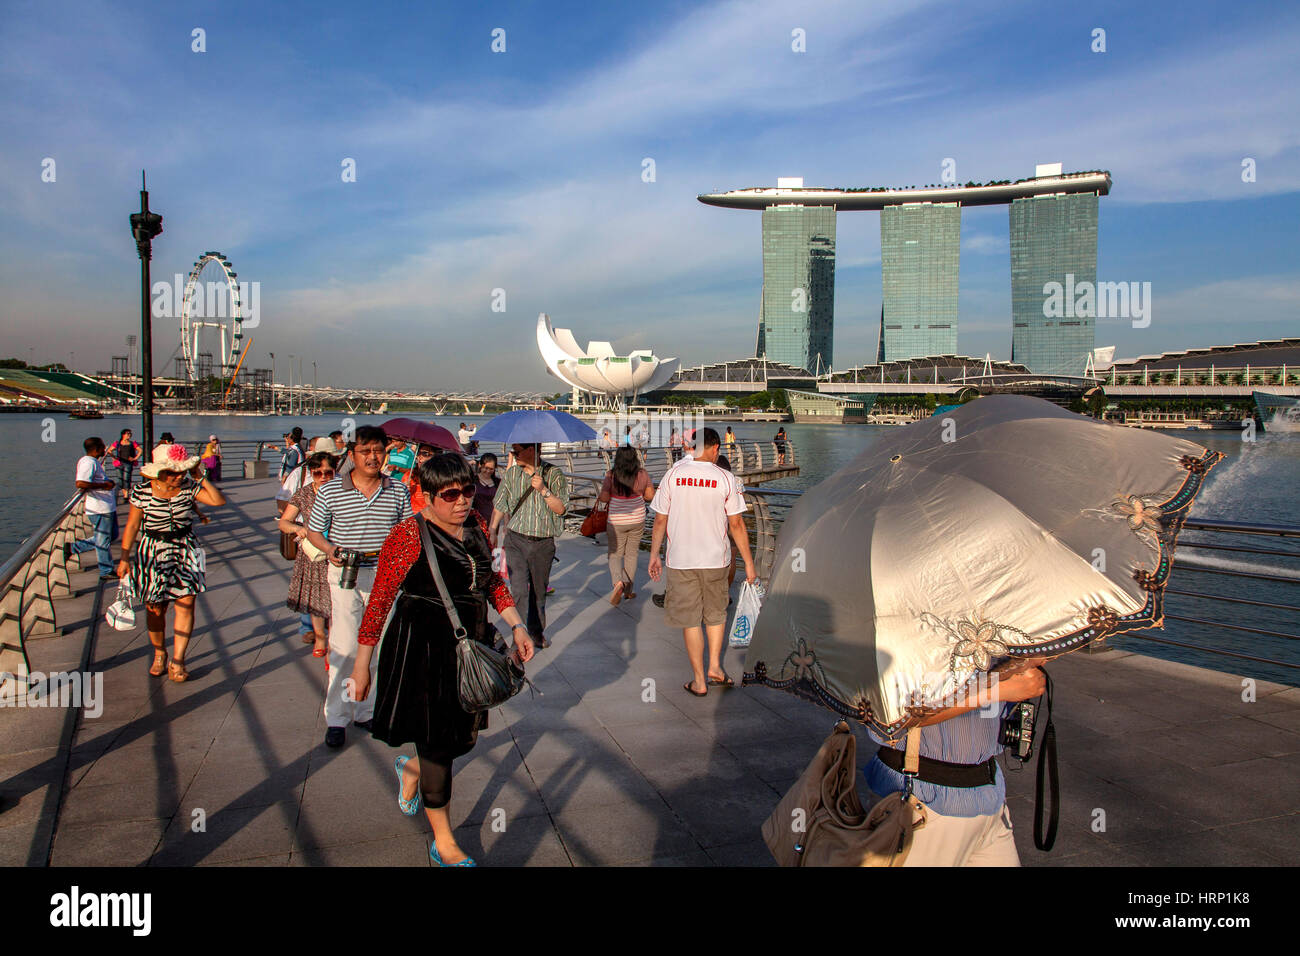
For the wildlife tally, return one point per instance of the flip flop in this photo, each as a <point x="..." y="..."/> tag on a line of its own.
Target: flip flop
<point x="691" y="690"/>
<point x="725" y="682"/>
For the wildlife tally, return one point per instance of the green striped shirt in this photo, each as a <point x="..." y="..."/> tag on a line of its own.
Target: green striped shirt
<point x="535" y="517"/>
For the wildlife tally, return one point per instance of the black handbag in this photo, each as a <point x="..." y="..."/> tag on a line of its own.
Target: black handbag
<point x="485" y="678"/>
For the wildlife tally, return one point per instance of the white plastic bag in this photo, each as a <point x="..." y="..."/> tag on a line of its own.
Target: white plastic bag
<point x="748" y="605"/>
<point x="120" y="615"/>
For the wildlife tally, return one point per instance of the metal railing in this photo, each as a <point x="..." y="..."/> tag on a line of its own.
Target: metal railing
<point x="32" y="579"/>
<point x="234" y="452"/>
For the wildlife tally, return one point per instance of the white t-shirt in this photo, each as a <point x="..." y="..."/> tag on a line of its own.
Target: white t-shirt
<point x="463" y="436"/>
<point x="101" y="501"/>
<point x="698" y="497"/>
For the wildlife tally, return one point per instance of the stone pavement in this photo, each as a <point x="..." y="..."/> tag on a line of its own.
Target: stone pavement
<point x="1168" y="757"/>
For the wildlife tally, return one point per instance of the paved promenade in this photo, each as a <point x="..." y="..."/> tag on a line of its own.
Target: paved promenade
<point x="615" y="764"/>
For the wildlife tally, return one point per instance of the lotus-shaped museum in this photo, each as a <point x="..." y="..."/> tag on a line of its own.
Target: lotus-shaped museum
<point x="598" y="370"/>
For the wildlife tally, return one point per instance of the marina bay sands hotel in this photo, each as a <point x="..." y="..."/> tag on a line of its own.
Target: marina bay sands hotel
<point x="1053" y="234"/>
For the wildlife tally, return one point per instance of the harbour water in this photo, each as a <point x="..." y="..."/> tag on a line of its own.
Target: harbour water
<point x="1259" y="482"/>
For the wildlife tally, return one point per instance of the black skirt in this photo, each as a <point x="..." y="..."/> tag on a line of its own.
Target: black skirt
<point x="416" y="694"/>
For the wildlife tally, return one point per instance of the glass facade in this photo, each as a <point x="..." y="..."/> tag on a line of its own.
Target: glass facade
<point x="797" y="318"/>
<point x="1052" y="238"/>
<point x="920" y="248"/>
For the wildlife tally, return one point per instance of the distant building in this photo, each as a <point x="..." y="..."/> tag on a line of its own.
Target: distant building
<point x="1053" y="239"/>
<point x="797" y="318"/>
<point x="597" y="370"/>
<point x="920" y="248"/>
<point x="1053" y="235"/>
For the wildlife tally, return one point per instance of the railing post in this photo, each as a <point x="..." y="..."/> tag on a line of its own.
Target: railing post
<point x="37" y="602"/>
<point x="60" y="586"/>
<point x="764" y="538"/>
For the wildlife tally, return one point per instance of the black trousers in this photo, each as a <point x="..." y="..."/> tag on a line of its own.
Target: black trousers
<point x="435" y="776"/>
<point x="529" y="563"/>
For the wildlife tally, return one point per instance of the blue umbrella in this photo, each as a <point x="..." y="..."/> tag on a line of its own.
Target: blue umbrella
<point x="534" y="425"/>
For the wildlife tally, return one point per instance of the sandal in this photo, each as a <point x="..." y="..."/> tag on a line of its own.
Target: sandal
<point x="159" y="663"/>
<point x="176" y="671"/>
<point x="321" y="649"/>
<point x="617" y="595"/>
<point x="691" y="690"/>
<point x="725" y="682"/>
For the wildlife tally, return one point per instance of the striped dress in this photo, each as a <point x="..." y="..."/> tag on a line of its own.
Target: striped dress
<point x="169" y="561"/>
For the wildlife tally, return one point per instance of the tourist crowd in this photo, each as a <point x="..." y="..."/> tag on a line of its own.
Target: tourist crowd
<point x="400" y="547"/>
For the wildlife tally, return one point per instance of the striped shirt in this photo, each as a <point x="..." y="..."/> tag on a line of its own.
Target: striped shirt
<point x="350" y="520"/>
<point x="627" y="510"/>
<point x="535" y="518"/>
<point x="967" y="738"/>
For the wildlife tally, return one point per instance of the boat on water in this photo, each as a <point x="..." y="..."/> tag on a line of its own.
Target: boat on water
<point x="1278" y="413"/>
<point x="85" y="413"/>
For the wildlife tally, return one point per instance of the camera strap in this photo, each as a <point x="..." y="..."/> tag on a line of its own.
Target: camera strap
<point x="1047" y="774"/>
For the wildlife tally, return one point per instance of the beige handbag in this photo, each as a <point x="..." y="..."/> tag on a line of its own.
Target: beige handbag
<point x="820" y="821"/>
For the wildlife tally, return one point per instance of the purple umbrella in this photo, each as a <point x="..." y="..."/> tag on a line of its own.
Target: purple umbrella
<point x="426" y="433"/>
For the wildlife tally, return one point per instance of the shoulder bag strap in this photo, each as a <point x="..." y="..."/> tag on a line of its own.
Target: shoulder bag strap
<point x="524" y="497"/>
<point x="1047" y="762"/>
<point x="426" y="541"/>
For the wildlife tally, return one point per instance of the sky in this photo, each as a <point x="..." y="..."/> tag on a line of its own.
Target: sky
<point x="524" y="170"/>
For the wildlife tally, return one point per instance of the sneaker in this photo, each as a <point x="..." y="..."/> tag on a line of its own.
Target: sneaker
<point x="366" y="725"/>
<point x="658" y="600"/>
<point x="334" y="737"/>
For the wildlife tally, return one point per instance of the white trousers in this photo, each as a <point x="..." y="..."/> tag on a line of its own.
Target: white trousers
<point x="346" y="610"/>
<point x="964" y="841"/>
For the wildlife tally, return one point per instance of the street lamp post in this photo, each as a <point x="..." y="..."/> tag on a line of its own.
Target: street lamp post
<point x="272" y="354"/>
<point x="145" y="226"/>
<point x="290" y="383"/>
<point x="315" y="394"/>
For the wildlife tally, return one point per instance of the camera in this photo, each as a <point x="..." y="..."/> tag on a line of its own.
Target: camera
<point x="351" y="563"/>
<point x="1017" y="730"/>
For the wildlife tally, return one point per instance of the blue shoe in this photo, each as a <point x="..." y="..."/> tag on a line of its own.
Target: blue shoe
<point x="409" y="807"/>
<point x="433" y="855"/>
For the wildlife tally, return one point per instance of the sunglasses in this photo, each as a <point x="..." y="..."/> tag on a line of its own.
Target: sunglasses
<point x="323" y="471"/>
<point x="452" y="495"/>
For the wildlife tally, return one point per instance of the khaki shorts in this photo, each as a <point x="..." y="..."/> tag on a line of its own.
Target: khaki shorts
<point x="694" y="595"/>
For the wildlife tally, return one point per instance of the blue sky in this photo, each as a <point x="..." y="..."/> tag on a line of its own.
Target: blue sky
<point x="522" y="170"/>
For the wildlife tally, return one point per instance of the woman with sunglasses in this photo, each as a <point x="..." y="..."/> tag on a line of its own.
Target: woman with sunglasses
<point x="309" y="591"/>
<point x="168" y="565"/>
<point x="416" y="697"/>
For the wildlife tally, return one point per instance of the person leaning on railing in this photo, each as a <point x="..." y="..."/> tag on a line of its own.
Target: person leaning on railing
<point x="168" y="567"/>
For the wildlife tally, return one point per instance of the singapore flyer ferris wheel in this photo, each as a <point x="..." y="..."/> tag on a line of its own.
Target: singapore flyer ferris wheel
<point x="211" y="310"/>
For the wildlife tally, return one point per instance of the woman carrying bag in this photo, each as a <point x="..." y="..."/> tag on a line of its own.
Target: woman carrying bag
<point x="309" y="591"/>
<point x="626" y="489"/>
<point x="417" y="691"/>
<point x="168" y="566"/>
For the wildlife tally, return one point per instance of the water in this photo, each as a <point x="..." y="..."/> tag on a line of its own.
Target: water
<point x="1258" y="482"/>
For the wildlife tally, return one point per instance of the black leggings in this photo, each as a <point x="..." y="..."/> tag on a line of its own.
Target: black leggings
<point x="435" y="777"/>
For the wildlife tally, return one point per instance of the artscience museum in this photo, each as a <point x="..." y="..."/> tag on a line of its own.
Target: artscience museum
<point x="606" y="377"/>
